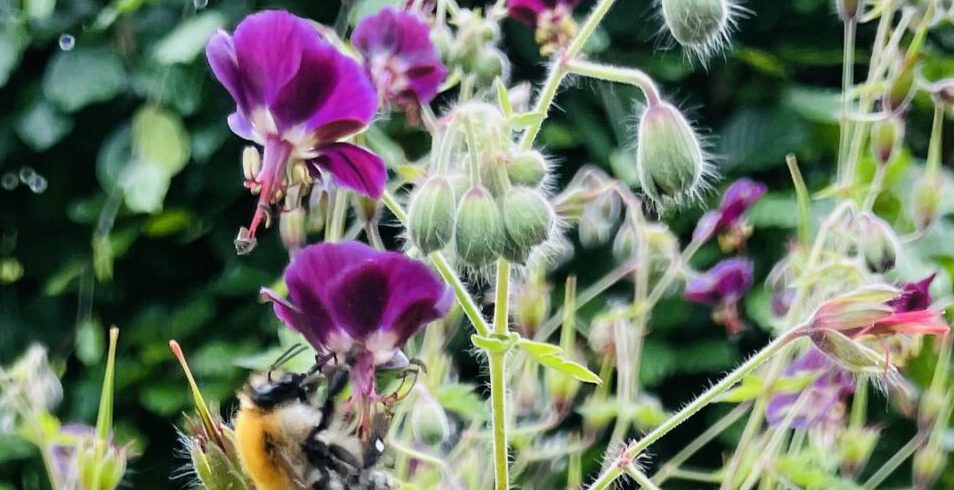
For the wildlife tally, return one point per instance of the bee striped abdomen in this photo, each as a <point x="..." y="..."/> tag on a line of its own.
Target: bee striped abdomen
<point x="258" y="439"/>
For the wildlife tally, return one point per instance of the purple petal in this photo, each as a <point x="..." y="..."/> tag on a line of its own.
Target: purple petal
<point x="309" y="90"/>
<point x="914" y="296"/>
<point x="350" y="105"/>
<point x="241" y="126"/>
<point x="728" y="280"/>
<point x="525" y="11"/>
<point x="418" y="297"/>
<point x="359" y="299"/>
<point x="353" y="167"/>
<point x="739" y="198"/>
<point x="220" y="52"/>
<point x="310" y="327"/>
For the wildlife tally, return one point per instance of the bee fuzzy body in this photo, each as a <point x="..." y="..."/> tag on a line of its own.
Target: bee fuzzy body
<point x="285" y="442"/>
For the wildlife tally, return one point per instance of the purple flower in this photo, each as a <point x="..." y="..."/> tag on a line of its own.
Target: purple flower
<point x="528" y="11"/>
<point x="722" y="287"/>
<point x="824" y="397"/>
<point x="728" y="220"/>
<point x="553" y="20"/>
<point x="403" y="63"/>
<point x="914" y="296"/>
<point x="296" y="95"/>
<point x="359" y="304"/>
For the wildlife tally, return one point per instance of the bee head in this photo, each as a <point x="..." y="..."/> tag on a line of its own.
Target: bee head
<point x="276" y="387"/>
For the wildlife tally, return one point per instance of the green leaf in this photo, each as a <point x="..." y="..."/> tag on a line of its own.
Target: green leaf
<point x="495" y="343"/>
<point x="526" y="119"/>
<point x="757" y="138"/>
<point x="461" y="399"/>
<point x="75" y="79"/>
<point x="816" y="105"/>
<point x="39" y="9"/>
<point x="749" y="389"/>
<point x="144" y="187"/>
<point x="90" y="342"/>
<point x="168" y="223"/>
<point x="188" y="40"/>
<point x="503" y="98"/>
<point x="42" y="126"/>
<point x="159" y="138"/>
<point x="12" y="43"/>
<point x="553" y="357"/>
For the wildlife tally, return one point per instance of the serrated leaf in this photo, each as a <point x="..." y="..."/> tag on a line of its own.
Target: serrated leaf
<point x="495" y="343"/>
<point x="75" y="79"/>
<point x="539" y="349"/>
<point x="186" y="41"/>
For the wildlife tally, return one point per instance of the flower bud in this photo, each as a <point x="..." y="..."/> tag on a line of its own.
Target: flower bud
<point x="929" y="408"/>
<point x="531" y="304"/>
<point x="598" y="218"/>
<point x="855" y="446"/>
<point x="100" y="461"/>
<point x="291" y="227"/>
<point x="853" y="356"/>
<point x="850" y="10"/>
<point x="562" y="388"/>
<point x="878" y="243"/>
<point x="479" y="232"/>
<point x="886" y="137"/>
<point x="527" y="219"/>
<point x="489" y="64"/>
<point x="928" y="463"/>
<point x="702" y="26"/>
<point x="624" y="246"/>
<point x="928" y="192"/>
<point x="429" y="422"/>
<point x="669" y="158"/>
<point x="901" y="89"/>
<point x="527" y="168"/>
<point x="431" y="215"/>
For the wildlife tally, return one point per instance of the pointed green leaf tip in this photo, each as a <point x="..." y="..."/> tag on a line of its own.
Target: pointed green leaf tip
<point x="553" y="357"/>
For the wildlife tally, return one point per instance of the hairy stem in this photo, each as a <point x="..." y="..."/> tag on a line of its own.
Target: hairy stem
<point x="892" y="464"/>
<point x="629" y="76"/>
<point x="670" y="468"/>
<point x="498" y="377"/>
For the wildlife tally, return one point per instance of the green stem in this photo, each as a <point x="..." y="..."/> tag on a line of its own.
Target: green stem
<point x="629" y="76"/>
<point x="707" y="397"/>
<point x="104" y="421"/>
<point x="640" y="477"/>
<point x="498" y="378"/>
<point x="934" y="146"/>
<point x="670" y="467"/>
<point x="892" y="464"/>
<point x="339" y="212"/>
<point x="558" y="71"/>
<point x="589" y="294"/>
<point x="801" y="191"/>
<point x="847" y="81"/>
<point x="859" y="405"/>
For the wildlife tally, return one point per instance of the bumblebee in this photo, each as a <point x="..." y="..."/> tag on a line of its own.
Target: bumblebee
<point x="285" y="441"/>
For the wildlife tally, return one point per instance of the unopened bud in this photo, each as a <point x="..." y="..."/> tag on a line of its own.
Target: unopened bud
<point x="251" y="163"/>
<point x="429" y="422"/>
<point x="669" y="158"/>
<point x="850" y="10"/>
<point x="928" y="463"/>
<point x="531" y="306"/>
<point x="927" y="200"/>
<point x="431" y="215"/>
<point x="527" y="219"/>
<point x="624" y="246"/>
<point x="851" y="355"/>
<point x="527" y="168"/>
<point x="291" y="227"/>
<point x="598" y="218"/>
<point x="602" y="337"/>
<point x="490" y="64"/>
<point x="878" y="242"/>
<point x="901" y="89"/>
<point x="931" y="404"/>
<point x="886" y="137"/>
<point x="479" y="232"/>
<point x="855" y="446"/>
<point x="562" y="389"/>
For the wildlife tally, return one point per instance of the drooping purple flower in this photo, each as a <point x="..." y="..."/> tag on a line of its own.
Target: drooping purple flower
<point x="297" y="96"/>
<point x="823" y="401"/>
<point x="399" y="56"/>
<point x="728" y="220"/>
<point x="359" y="304"/>
<point x="721" y="287"/>
<point x="553" y="20"/>
<point x="914" y="296"/>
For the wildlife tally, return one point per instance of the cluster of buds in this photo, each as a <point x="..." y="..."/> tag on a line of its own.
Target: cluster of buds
<point x="471" y="49"/>
<point x="488" y="200"/>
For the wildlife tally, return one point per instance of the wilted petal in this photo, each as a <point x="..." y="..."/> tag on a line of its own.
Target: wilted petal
<point x="353" y="167"/>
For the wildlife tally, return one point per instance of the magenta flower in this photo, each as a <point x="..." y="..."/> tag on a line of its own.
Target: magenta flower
<point x="403" y="63"/>
<point x="729" y="220"/>
<point x="359" y="304"/>
<point x="914" y="296"/>
<point x="879" y="311"/>
<point x="721" y="288"/>
<point x="297" y="96"/>
<point x="553" y="20"/>
<point x="824" y="399"/>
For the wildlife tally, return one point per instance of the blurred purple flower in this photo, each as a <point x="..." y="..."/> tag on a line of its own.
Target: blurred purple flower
<point x="914" y="296"/>
<point x="722" y="287"/>
<point x="528" y="11"/>
<point x="553" y="20"/>
<point x="296" y="95"/>
<point x="728" y="220"/>
<point x="359" y="304"/>
<point x="824" y="397"/>
<point x="404" y="65"/>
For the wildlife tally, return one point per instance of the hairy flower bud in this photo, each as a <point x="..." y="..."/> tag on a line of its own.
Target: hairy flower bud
<point x="878" y="242"/>
<point x="855" y="446"/>
<point x="531" y="304"/>
<point x="429" y="422"/>
<point x="701" y="26"/>
<point x="927" y="200"/>
<point x="851" y="355"/>
<point x="479" y="232"/>
<point x="624" y="246"/>
<point x="850" y="10"/>
<point x="527" y="168"/>
<point x="431" y="215"/>
<point x="928" y="463"/>
<point x="527" y="219"/>
<point x="598" y="218"/>
<point x="669" y="157"/>
<point x="886" y="137"/>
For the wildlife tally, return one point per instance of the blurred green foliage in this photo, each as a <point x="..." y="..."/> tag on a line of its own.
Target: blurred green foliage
<point x="113" y="105"/>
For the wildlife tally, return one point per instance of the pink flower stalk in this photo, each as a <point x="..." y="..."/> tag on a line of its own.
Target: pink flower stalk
<point x="729" y="220"/>
<point x="297" y="96"/>
<point x="360" y="305"/>
<point x="402" y="62"/>
<point x="722" y="287"/>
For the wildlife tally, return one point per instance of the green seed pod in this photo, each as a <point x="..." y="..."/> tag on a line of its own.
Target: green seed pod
<point x="528" y="219"/>
<point x="669" y="158"/>
<point x="852" y="355"/>
<point x="100" y="461"/>
<point x="479" y="232"/>
<point x="902" y="86"/>
<point x="855" y="447"/>
<point x="886" y="137"/>
<point x="431" y="215"/>
<point x="878" y="243"/>
<point x="527" y="168"/>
